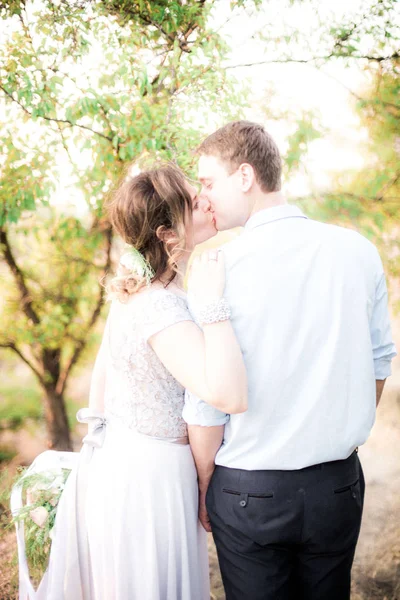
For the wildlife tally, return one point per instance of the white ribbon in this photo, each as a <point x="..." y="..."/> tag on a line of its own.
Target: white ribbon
<point x="96" y="422"/>
<point x="77" y="462"/>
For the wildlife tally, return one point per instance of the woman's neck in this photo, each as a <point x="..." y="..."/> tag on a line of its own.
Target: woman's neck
<point x="176" y="283"/>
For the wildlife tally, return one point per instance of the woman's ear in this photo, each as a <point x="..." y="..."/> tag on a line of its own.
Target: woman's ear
<point x="164" y="234"/>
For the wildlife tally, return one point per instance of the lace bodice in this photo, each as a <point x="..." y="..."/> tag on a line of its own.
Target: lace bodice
<point x="139" y="390"/>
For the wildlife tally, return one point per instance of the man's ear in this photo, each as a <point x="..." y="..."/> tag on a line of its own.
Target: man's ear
<point x="246" y="176"/>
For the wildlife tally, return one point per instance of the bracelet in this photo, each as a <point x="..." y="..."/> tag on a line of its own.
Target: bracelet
<point x="214" y="312"/>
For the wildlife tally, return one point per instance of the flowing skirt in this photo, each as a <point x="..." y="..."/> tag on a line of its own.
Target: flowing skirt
<point x="134" y="533"/>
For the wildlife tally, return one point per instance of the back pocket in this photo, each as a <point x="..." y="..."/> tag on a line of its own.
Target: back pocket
<point x="249" y="494"/>
<point x="346" y="488"/>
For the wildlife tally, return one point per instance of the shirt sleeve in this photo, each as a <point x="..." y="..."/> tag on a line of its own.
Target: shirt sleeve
<point x="198" y="412"/>
<point x="163" y="309"/>
<point x="383" y="347"/>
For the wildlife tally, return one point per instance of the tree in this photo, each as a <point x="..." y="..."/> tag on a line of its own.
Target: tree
<point x="104" y="83"/>
<point x="369" y="200"/>
<point x="367" y="36"/>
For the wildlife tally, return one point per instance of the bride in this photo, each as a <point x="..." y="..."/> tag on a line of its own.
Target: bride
<point x="127" y="523"/>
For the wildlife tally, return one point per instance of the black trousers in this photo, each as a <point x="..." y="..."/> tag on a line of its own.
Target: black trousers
<point x="287" y="535"/>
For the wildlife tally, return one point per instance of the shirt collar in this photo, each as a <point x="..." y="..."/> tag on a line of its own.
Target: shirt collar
<point x="275" y="213"/>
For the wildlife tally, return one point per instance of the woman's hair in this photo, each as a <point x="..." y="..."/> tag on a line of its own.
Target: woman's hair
<point x="143" y="209"/>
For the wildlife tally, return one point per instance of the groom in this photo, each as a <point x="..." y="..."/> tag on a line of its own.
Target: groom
<point x="309" y="307"/>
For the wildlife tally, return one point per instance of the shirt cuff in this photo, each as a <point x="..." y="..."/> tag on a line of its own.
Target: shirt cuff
<point x="382" y="368"/>
<point x="197" y="412"/>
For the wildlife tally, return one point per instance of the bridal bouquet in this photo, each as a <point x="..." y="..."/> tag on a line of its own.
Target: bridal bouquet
<point x="41" y="493"/>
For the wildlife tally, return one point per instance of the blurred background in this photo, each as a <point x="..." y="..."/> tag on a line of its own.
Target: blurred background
<point x="88" y="87"/>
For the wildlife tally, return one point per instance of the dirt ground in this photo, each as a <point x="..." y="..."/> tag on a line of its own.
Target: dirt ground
<point x="376" y="574"/>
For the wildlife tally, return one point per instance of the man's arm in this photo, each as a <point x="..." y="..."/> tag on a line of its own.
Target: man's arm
<point x="383" y="348"/>
<point x="380" y="384"/>
<point x="205" y="443"/>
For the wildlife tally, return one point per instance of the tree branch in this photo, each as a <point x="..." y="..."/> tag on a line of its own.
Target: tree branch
<point x="60" y="388"/>
<point x="388" y="105"/>
<point x="53" y="119"/>
<point x="192" y="26"/>
<point x="378" y="59"/>
<point x="387" y="186"/>
<point x="364" y="199"/>
<point x="65" y="146"/>
<point x="15" y="349"/>
<point x="26" y="299"/>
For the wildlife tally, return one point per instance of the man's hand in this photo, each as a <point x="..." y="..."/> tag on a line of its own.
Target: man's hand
<point x="203" y="515"/>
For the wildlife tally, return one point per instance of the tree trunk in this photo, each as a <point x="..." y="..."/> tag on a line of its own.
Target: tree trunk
<point x="56" y="420"/>
<point x="55" y="410"/>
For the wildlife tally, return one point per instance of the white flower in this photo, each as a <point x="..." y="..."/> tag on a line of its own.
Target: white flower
<point x="39" y="515"/>
<point x="136" y="263"/>
<point x="54" y="486"/>
<point x="131" y="262"/>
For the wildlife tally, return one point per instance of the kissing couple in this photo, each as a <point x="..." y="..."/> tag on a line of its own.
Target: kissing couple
<point x="236" y="408"/>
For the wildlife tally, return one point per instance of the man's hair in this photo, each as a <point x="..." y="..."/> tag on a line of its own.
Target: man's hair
<point x="246" y="142"/>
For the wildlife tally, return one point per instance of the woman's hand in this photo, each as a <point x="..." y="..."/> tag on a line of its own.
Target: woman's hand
<point x="206" y="281"/>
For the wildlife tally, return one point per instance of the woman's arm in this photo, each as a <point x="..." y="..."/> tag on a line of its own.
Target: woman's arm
<point x="205" y="443"/>
<point x="208" y="363"/>
<point x="98" y="381"/>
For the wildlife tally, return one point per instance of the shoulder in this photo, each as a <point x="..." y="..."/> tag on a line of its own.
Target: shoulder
<point x="160" y="308"/>
<point x="348" y="239"/>
<point x="354" y="253"/>
<point x="162" y="297"/>
<point x="235" y="246"/>
<point x="159" y="301"/>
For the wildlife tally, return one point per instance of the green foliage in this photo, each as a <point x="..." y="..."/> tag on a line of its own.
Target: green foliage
<point x="41" y="492"/>
<point x="305" y="131"/>
<point x="103" y="83"/>
<point x="116" y="88"/>
<point x="369" y="200"/>
<point x="21" y="404"/>
<point x="316" y="33"/>
<point x="100" y="83"/>
<point x="6" y="453"/>
<point x="18" y="404"/>
<point x="62" y="270"/>
<point x="373" y="32"/>
<point x="25" y="174"/>
<point x="366" y="34"/>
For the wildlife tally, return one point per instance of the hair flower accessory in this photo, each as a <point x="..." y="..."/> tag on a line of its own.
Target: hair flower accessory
<point x="134" y="261"/>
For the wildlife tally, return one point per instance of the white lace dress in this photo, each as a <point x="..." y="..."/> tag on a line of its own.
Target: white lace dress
<point x="139" y="537"/>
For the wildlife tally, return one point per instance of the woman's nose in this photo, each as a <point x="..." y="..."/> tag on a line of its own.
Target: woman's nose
<point x="204" y="204"/>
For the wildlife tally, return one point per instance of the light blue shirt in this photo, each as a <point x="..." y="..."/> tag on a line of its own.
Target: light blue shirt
<point x="309" y="308"/>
